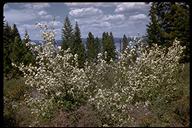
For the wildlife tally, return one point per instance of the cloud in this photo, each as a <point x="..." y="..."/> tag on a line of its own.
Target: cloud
<point x="101" y="24"/>
<point x="138" y="17"/>
<point x="28" y="26"/>
<point x="120" y="18"/>
<point x="129" y="6"/>
<point x="23" y="15"/>
<point x="42" y="12"/>
<point x="56" y="23"/>
<point x="26" y="12"/>
<point x="43" y="15"/>
<point x="114" y="17"/>
<point x="88" y="4"/>
<point x="103" y="20"/>
<point x="81" y="12"/>
<point x="36" y="5"/>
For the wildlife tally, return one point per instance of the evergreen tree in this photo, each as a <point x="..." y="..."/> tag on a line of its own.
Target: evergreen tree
<point x="125" y="42"/>
<point x="97" y="46"/>
<point x="169" y="20"/>
<point x="78" y="47"/>
<point x="67" y="35"/>
<point x="153" y="30"/>
<point x="104" y="39"/>
<point x="111" y="52"/>
<point x="120" y="46"/>
<point x="14" y="51"/>
<point x="15" y="33"/>
<point x="180" y="27"/>
<point x="6" y="49"/>
<point x="17" y="46"/>
<point x="91" y="52"/>
<point x="108" y="46"/>
<point x="16" y="56"/>
<point x="28" y="56"/>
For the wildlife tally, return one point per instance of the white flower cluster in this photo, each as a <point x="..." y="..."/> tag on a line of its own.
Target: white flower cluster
<point x="53" y="75"/>
<point x="149" y="75"/>
<point x="110" y="87"/>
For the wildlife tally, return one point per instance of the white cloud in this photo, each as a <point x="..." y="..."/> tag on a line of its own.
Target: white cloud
<point x="102" y="24"/>
<point x="43" y="15"/>
<point x="47" y="17"/>
<point x="56" y="23"/>
<point x="114" y="17"/>
<point x="128" y="6"/>
<point x="92" y="4"/>
<point x="138" y="17"/>
<point x="23" y="15"/>
<point x="36" y="5"/>
<point x="42" y="12"/>
<point x="26" y="12"/>
<point x="52" y="23"/>
<point x="85" y="12"/>
<point x="28" y="26"/>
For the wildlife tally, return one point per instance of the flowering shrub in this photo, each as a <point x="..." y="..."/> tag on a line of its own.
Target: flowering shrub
<point x="53" y="77"/>
<point x="140" y="73"/>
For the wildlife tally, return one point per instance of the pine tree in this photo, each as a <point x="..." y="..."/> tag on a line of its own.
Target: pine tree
<point x="169" y="20"/>
<point x="111" y="52"/>
<point x="153" y="30"/>
<point x="15" y="51"/>
<point x="78" y="47"/>
<point x="180" y="27"/>
<point x="6" y="49"/>
<point x="15" y="33"/>
<point x="104" y="39"/>
<point x="97" y="46"/>
<point x="28" y="56"/>
<point x="108" y="46"/>
<point x="67" y="34"/>
<point x="125" y="42"/>
<point x="91" y="52"/>
<point x="120" y="45"/>
<point x="16" y="56"/>
<point x="17" y="46"/>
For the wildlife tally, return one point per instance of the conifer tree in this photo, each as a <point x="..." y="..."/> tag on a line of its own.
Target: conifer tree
<point x="112" y="53"/>
<point x="78" y="47"/>
<point x="15" y="33"/>
<point x="91" y="52"/>
<point x="120" y="45"/>
<point x="28" y="56"/>
<point x="169" y="20"/>
<point x="105" y="43"/>
<point x="97" y="46"/>
<point x="108" y="46"/>
<point x="125" y="42"/>
<point x="67" y="34"/>
<point x="14" y="51"/>
<point x="153" y="29"/>
<point x="6" y="49"/>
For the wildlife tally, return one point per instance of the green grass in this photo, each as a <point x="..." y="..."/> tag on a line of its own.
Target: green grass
<point x="13" y="91"/>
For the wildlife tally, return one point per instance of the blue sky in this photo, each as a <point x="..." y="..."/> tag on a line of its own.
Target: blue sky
<point x="129" y="18"/>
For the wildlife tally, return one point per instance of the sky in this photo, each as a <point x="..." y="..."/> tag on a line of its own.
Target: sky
<point x="129" y="18"/>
